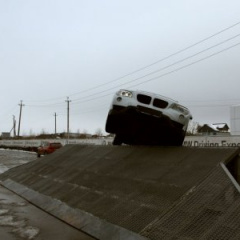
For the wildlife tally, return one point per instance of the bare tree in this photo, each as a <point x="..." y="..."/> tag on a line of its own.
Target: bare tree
<point x="31" y="133"/>
<point x="99" y="132"/>
<point x="85" y="132"/>
<point x="193" y="128"/>
<point x="43" y="131"/>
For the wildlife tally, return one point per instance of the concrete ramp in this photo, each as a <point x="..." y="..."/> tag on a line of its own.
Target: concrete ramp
<point x="132" y="192"/>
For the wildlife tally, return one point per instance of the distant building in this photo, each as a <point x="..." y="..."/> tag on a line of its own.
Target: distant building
<point x="214" y="129"/>
<point x="75" y="135"/>
<point x="5" y="135"/>
<point x="235" y="120"/>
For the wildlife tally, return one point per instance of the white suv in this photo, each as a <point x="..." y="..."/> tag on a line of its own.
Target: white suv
<point x="138" y="117"/>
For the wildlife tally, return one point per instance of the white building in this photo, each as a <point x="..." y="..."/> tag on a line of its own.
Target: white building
<point x="235" y="120"/>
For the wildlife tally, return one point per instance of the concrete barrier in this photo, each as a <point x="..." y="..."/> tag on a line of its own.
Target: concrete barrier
<point x="32" y="145"/>
<point x="212" y="141"/>
<point x="37" y="143"/>
<point x="189" y="141"/>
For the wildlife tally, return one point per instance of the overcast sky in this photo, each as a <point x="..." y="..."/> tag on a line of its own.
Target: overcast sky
<point x="87" y="50"/>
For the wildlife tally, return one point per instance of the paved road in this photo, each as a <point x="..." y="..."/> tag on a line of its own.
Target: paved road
<point x="21" y="220"/>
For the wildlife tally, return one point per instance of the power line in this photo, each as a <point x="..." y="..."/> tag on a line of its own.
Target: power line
<point x="161" y="60"/>
<point x="211" y="105"/>
<point x="188" y="65"/>
<point x="77" y="101"/>
<point x="164" y="68"/>
<point x="94" y="97"/>
<point x="157" y="77"/>
<point x="45" y="105"/>
<point x="9" y="112"/>
<point x="86" y="112"/>
<point x="154" y="63"/>
<point x="212" y="100"/>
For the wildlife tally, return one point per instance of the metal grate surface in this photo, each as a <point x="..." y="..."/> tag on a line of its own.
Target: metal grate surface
<point x="210" y="211"/>
<point x="156" y="192"/>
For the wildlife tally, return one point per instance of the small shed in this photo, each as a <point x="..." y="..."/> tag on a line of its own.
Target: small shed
<point x="5" y="135"/>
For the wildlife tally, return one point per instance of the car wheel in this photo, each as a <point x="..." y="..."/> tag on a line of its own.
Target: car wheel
<point x="179" y="140"/>
<point x="38" y="155"/>
<point x="108" y="126"/>
<point x="117" y="140"/>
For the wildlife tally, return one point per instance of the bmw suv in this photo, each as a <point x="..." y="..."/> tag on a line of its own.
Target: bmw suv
<point x="138" y="117"/>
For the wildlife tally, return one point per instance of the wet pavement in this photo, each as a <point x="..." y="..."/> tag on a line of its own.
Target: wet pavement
<point x="13" y="158"/>
<point x="19" y="219"/>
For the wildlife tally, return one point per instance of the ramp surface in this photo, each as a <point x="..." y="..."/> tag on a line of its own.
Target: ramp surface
<point x="133" y="192"/>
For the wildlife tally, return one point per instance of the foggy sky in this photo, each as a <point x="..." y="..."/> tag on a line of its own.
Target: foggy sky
<point x="87" y="50"/>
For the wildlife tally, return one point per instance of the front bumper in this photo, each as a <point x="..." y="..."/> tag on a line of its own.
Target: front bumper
<point x="132" y="119"/>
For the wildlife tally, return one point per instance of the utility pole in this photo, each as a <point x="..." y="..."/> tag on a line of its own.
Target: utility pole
<point x="20" y="116"/>
<point x="68" y="101"/>
<point x="55" y="115"/>
<point x="14" y="126"/>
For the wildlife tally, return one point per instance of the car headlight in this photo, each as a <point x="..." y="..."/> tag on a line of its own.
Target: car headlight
<point x="180" y="109"/>
<point x="125" y="93"/>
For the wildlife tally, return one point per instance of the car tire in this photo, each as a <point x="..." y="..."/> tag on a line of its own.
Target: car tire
<point x="117" y="140"/>
<point x="179" y="139"/>
<point x="38" y="155"/>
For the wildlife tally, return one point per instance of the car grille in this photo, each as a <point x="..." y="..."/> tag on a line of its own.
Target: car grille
<point x="160" y="103"/>
<point x="144" y="98"/>
<point x="149" y="111"/>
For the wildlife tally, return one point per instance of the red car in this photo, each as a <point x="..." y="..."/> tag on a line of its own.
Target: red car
<point x="48" y="147"/>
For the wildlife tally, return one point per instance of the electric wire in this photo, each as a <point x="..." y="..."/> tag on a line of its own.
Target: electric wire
<point x="210" y="105"/>
<point x="158" y="61"/>
<point x="149" y="65"/>
<point x="9" y="111"/>
<point x="173" y="71"/>
<point x="161" y="69"/>
<point x="188" y="65"/>
<point x="157" y="77"/>
<point x="213" y="100"/>
<point x="94" y="97"/>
